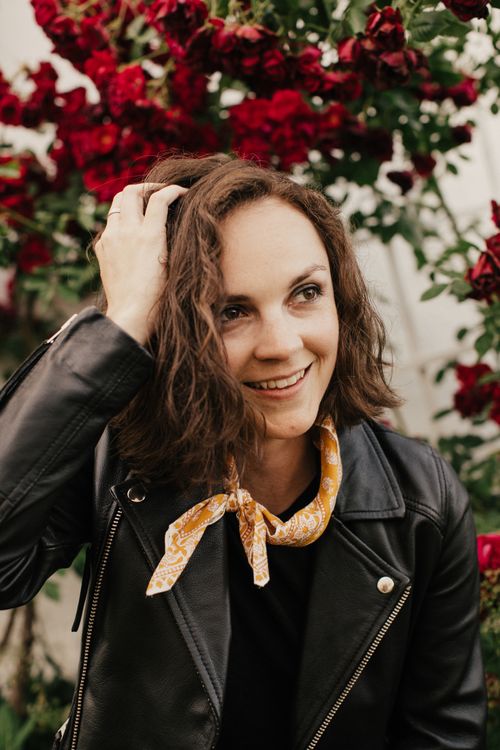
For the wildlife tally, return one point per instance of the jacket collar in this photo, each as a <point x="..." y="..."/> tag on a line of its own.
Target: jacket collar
<point x="345" y="608"/>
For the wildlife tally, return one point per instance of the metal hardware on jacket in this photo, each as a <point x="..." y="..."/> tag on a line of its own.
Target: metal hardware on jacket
<point x="391" y="657"/>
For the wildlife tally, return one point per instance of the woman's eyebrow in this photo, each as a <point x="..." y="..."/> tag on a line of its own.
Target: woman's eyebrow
<point x="302" y="277"/>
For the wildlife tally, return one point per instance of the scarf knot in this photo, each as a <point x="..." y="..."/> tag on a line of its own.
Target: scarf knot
<point x="257" y="525"/>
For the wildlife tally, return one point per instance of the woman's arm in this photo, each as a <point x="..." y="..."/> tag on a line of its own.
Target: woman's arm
<point x="441" y="703"/>
<point x="49" y="425"/>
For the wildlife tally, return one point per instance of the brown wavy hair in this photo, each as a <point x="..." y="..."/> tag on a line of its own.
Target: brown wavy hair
<point x="191" y="414"/>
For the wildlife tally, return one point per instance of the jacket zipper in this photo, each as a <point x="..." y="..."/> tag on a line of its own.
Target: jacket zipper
<point x="90" y="626"/>
<point x="359" y="669"/>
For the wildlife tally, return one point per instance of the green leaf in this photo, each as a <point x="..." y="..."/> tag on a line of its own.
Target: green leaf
<point x="442" y="413"/>
<point x="460" y="287"/>
<point x="483" y="343"/>
<point x="51" y="590"/>
<point x="462" y="333"/>
<point x="430" y="24"/>
<point x="434" y="291"/>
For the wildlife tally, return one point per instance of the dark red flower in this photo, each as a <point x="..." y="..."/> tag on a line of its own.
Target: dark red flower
<point x="127" y="90"/>
<point x="45" y="11"/>
<point x="10" y="109"/>
<point x="484" y="277"/>
<point x="386" y="28"/>
<point x="488" y="551"/>
<point x="73" y="101"/>
<point x="100" y="67"/>
<point x="463" y="93"/>
<point x="461" y="134"/>
<point x="424" y="164"/>
<point x="188" y="88"/>
<point x="472" y="397"/>
<point x="467" y="9"/>
<point x="341" y="85"/>
<point x="273" y="65"/>
<point x="32" y="254"/>
<point x="93" y="34"/>
<point x="402" y="178"/>
<point x="178" y="19"/>
<point x="495" y="213"/>
<point x="102" y="179"/>
<point x="349" y="51"/>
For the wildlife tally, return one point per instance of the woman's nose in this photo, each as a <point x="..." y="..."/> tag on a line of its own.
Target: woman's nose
<point x="277" y="338"/>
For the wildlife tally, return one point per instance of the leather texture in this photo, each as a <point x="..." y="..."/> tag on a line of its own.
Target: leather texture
<point x="395" y="667"/>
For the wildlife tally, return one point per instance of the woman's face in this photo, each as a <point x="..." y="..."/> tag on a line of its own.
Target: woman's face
<point x="279" y="322"/>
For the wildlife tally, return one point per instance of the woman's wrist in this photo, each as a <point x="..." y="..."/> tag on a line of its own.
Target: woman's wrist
<point x="130" y="324"/>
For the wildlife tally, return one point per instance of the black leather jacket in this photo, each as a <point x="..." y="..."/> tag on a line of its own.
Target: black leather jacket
<point x="390" y="664"/>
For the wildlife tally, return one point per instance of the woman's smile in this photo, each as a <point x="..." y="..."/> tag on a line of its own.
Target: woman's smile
<point x="281" y="387"/>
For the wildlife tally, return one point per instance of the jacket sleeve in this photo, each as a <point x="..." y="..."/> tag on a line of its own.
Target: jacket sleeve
<point x="52" y="415"/>
<point x="442" y="701"/>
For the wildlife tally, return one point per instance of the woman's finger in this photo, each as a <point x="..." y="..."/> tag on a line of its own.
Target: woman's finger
<point x="160" y="200"/>
<point x="128" y="204"/>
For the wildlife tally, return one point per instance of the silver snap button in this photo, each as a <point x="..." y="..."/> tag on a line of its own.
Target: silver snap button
<point x="136" y="494"/>
<point x="385" y="585"/>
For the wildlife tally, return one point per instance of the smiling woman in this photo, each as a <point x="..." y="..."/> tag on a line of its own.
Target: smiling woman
<point x="268" y="562"/>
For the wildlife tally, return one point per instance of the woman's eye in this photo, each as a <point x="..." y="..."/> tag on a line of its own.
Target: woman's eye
<point x="310" y="293"/>
<point x="230" y="314"/>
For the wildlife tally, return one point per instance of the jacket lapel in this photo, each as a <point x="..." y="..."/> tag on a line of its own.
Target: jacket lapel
<point x="346" y="608"/>
<point x="199" y="601"/>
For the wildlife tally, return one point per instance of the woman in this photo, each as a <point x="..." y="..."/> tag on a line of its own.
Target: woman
<point x="270" y="567"/>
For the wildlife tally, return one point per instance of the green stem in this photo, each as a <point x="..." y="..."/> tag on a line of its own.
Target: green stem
<point x="435" y="186"/>
<point x="23" y="220"/>
<point x="416" y="6"/>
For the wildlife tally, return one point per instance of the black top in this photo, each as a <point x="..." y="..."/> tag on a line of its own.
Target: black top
<point x="266" y="643"/>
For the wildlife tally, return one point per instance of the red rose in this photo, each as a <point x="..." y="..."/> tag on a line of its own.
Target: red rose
<point x="73" y="101"/>
<point x="189" y="88"/>
<point x="484" y="277"/>
<point x="45" y="11"/>
<point x="463" y="93"/>
<point x="467" y="9"/>
<point x="93" y="34"/>
<point x="488" y="551"/>
<point x="424" y="164"/>
<point x="10" y="109"/>
<point x="461" y="134"/>
<point x="472" y="397"/>
<point x="273" y="65"/>
<point x="349" y="51"/>
<point x="100" y="67"/>
<point x="341" y="85"/>
<point x="178" y="19"/>
<point x="402" y="178"/>
<point x="249" y="116"/>
<point x="102" y="180"/>
<point x="127" y="90"/>
<point x="495" y="213"/>
<point x="32" y="254"/>
<point x="386" y="28"/>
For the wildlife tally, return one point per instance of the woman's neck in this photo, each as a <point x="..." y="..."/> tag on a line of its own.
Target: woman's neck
<point x="282" y="473"/>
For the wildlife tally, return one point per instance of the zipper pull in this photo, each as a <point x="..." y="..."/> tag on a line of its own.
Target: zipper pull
<point x="83" y="591"/>
<point x="64" y="325"/>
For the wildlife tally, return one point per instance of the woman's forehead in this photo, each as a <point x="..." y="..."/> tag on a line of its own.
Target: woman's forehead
<point x="269" y="233"/>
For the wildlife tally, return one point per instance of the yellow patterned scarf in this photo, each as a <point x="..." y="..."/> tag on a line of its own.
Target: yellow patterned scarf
<point x="303" y="528"/>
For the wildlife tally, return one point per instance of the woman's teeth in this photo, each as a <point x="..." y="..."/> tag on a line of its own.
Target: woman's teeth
<point x="271" y="384"/>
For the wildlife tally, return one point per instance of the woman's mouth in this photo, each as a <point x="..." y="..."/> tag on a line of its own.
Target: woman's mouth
<point x="280" y="386"/>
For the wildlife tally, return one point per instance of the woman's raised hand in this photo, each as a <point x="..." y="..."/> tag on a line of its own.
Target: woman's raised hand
<point x="132" y="251"/>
